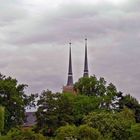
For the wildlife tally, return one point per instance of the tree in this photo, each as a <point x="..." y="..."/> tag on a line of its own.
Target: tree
<point x="14" y="100"/>
<point x="115" y="125"/>
<point x="104" y="107"/>
<point x="65" y="109"/>
<point x="135" y="132"/>
<point x="83" y="105"/>
<point x="91" y="86"/>
<point x="54" y="110"/>
<point x="131" y="103"/>
<point x="1" y="119"/>
<point x="47" y="114"/>
<point x="19" y="134"/>
<point x="68" y="132"/>
<point x="88" y="133"/>
<point x="83" y="132"/>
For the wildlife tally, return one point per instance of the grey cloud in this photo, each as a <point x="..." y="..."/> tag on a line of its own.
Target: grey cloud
<point x="66" y="23"/>
<point x="11" y="11"/>
<point x="34" y="49"/>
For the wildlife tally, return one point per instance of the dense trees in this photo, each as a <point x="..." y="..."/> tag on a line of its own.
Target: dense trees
<point x="67" y="132"/>
<point x="55" y="110"/>
<point x="91" y="86"/>
<point x="111" y="124"/>
<point x="97" y="107"/>
<point x="96" y="112"/>
<point x="19" y="134"/>
<point x="135" y="132"/>
<point x="14" y="100"/>
<point x="131" y="103"/>
<point x="84" y="132"/>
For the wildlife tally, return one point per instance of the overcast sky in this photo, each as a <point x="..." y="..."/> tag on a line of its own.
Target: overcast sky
<point x="34" y="37"/>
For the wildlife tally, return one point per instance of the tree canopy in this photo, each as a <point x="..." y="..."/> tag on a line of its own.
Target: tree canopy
<point x="98" y="111"/>
<point x="14" y="100"/>
<point x="96" y="105"/>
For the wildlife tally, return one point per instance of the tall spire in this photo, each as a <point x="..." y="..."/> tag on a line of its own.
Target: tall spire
<point x="70" y="75"/>
<point x="86" y="61"/>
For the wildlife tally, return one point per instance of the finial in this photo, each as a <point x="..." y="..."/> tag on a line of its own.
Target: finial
<point x="86" y="41"/>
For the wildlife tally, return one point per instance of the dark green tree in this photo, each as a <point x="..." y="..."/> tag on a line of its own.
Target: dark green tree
<point x="91" y="86"/>
<point x="131" y="103"/>
<point x="47" y="112"/>
<point x="14" y="100"/>
<point x="54" y="110"/>
<point x="83" y="105"/>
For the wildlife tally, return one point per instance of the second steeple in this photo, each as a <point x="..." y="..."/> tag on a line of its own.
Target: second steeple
<point x="86" y="61"/>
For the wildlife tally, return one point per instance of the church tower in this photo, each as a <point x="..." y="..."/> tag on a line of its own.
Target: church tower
<point x="86" y="61"/>
<point x="69" y="86"/>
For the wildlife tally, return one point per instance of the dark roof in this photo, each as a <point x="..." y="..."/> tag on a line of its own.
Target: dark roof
<point x="30" y="119"/>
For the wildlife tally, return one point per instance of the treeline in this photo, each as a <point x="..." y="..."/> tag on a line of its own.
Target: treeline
<point x="96" y="111"/>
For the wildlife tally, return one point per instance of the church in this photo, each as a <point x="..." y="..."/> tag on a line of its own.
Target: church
<point x="30" y="116"/>
<point x="69" y="86"/>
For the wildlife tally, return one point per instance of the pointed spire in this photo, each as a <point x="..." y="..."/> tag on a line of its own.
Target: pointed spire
<point x="70" y="75"/>
<point x="86" y="61"/>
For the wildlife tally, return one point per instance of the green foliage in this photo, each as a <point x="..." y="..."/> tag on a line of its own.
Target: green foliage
<point x="47" y="111"/>
<point x="65" y="106"/>
<point x="102" y="121"/>
<point x="91" y="86"/>
<point x="84" y="105"/>
<point x="87" y="86"/>
<point x="83" y="132"/>
<point x="1" y="119"/>
<point x="88" y="133"/>
<point x="54" y="110"/>
<point x="114" y="124"/>
<point x="67" y="132"/>
<point x="14" y="100"/>
<point x="5" y="138"/>
<point x="98" y="111"/>
<point x="135" y="132"/>
<point x="57" y="110"/>
<point x="131" y="103"/>
<point x="18" y="134"/>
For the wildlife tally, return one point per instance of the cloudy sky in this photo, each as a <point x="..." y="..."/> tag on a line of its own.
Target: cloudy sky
<point x="34" y="37"/>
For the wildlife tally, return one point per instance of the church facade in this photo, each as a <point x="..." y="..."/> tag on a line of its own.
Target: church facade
<point x="70" y="85"/>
